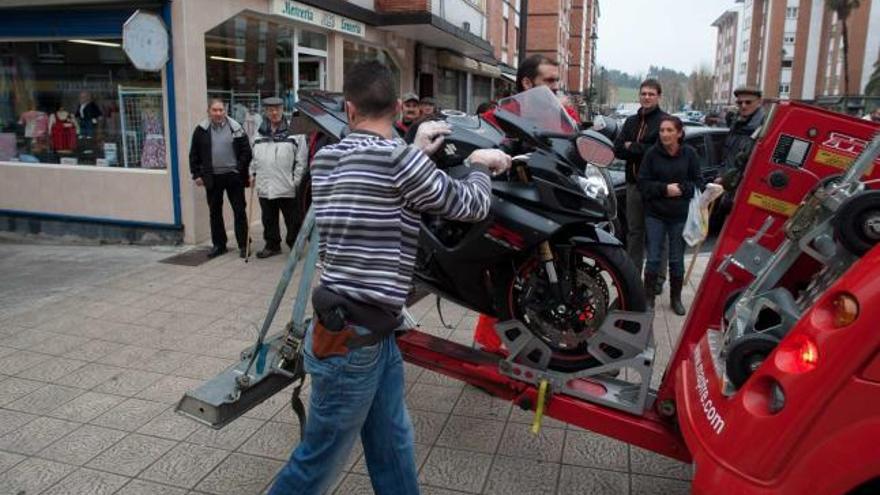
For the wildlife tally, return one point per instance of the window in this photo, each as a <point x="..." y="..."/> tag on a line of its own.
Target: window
<point x="788" y="38"/>
<point x="791" y="12"/>
<point x="784" y="89"/>
<point x="79" y="102"/>
<point x="482" y="89"/>
<point x="717" y="139"/>
<point x="357" y="52"/>
<point x="786" y="63"/>
<point x="505" y="33"/>
<point x="450" y="89"/>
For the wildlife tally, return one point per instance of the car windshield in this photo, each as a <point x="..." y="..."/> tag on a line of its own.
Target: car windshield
<point x="542" y="109"/>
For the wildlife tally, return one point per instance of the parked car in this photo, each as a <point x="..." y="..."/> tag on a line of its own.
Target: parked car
<point x="709" y="144"/>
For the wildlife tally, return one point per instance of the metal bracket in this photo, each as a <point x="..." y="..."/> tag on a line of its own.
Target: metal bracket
<point x="629" y="333"/>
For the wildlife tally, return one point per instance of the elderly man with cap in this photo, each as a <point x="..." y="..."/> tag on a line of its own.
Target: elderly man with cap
<point x="280" y="160"/>
<point x="738" y="144"/>
<point x="409" y="113"/>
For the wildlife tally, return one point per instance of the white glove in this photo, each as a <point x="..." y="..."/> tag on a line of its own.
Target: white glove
<point x="497" y="161"/>
<point x="430" y="136"/>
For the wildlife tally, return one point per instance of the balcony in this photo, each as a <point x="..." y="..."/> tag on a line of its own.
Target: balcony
<point x="458" y="25"/>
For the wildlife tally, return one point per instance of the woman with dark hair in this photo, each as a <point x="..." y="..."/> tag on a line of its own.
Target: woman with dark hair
<point x="668" y="178"/>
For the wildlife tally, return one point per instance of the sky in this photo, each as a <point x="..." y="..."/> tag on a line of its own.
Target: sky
<point x="634" y="34"/>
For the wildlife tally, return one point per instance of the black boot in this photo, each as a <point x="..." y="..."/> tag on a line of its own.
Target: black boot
<point x="675" y="284"/>
<point x="650" y="281"/>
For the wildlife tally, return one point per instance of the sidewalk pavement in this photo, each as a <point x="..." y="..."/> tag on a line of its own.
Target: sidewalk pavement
<point x="97" y="344"/>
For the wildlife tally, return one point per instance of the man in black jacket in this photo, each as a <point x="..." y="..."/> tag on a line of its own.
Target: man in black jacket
<point x="219" y="158"/>
<point x="738" y="143"/>
<point x="639" y="133"/>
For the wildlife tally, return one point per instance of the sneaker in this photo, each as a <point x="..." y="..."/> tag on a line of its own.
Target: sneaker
<point x="266" y="252"/>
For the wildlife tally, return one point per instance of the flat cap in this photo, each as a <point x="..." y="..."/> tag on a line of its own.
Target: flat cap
<point x="747" y="90"/>
<point x="410" y="97"/>
<point x="272" y="101"/>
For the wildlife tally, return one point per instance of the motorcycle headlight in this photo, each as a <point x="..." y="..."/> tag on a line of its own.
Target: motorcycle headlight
<point x="597" y="185"/>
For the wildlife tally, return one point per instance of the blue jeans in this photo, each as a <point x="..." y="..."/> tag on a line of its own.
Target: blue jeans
<point x="657" y="230"/>
<point x="359" y="393"/>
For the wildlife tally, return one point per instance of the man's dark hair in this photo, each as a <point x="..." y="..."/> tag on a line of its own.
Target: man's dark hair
<point x="369" y="85"/>
<point x="653" y="84"/>
<point x="529" y="69"/>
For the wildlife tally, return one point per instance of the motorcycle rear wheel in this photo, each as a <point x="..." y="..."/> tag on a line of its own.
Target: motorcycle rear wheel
<point x="603" y="278"/>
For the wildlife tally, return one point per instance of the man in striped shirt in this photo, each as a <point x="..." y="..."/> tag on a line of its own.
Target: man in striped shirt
<point x="368" y="192"/>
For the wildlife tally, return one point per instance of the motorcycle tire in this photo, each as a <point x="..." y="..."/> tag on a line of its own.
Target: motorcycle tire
<point x="622" y="277"/>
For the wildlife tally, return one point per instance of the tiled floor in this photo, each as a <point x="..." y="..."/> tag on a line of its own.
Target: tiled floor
<point x="89" y="375"/>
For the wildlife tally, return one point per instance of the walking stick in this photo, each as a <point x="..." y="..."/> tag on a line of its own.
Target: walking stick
<point x="250" y="213"/>
<point x="687" y="275"/>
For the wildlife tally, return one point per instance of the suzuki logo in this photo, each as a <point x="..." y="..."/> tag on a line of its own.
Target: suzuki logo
<point x="450" y="149"/>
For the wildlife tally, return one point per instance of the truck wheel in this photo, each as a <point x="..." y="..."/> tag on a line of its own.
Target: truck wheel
<point x="857" y="223"/>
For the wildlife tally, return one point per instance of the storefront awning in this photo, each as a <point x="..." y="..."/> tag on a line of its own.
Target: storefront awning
<point x="457" y="62"/>
<point x="431" y="30"/>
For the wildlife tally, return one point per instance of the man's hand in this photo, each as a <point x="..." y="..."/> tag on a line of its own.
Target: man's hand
<point x="673" y="190"/>
<point x="497" y="161"/>
<point x="200" y="182"/>
<point x="430" y="136"/>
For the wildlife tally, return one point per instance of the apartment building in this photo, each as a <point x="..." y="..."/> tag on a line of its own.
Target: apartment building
<point x="566" y="31"/>
<point x="793" y="49"/>
<point x="725" y="57"/>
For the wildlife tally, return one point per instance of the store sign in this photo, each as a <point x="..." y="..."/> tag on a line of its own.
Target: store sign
<point x="317" y="17"/>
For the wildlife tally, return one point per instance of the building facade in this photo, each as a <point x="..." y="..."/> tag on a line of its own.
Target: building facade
<point x="91" y="145"/>
<point x="725" y="57"/>
<point x="792" y="49"/>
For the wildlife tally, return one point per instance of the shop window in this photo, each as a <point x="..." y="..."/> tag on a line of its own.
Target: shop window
<point x="353" y="53"/>
<point x="482" y="88"/>
<point x="315" y="41"/>
<point x="79" y="102"/>
<point x="450" y="89"/>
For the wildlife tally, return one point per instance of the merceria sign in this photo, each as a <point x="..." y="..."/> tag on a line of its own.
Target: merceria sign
<point x="317" y="17"/>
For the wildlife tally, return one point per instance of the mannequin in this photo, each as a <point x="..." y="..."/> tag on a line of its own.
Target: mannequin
<point x="63" y="130"/>
<point x="36" y="128"/>
<point x="153" y="151"/>
<point x="87" y="115"/>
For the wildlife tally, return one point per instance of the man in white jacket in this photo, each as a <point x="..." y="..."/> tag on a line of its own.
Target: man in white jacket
<point x="279" y="164"/>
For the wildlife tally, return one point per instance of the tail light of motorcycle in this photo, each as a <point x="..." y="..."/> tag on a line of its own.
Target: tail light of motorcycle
<point x="797" y="354"/>
<point x="845" y="309"/>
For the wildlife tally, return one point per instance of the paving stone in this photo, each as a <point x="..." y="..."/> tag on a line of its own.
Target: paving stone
<point x="141" y="487"/>
<point x="86" y="407"/>
<point x="240" y="474"/>
<point x="93" y="350"/>
<point x="8" y="459"/>
<point x="421" y="453"/>
<point x="91" y="375"/>
<point x="651" y="485"/>
<point x="355" y="484"/>
<point x="203" y="367"/>
<point x="12" y="389"/>
<point x="88" y="481"/>
<point x="434" y="378"/>
<point x="53" y="369"/>
<point x="270" y="407"/>
<point x="522" y="416"/>
<point x="230" y="437"/>
<point x="584" y="448"/>
<point x="36" y="435"/>
<point x="131" y="455"/>
<point x="32" y="476"/>
<point x="169" y="425"/>
<point x="432" y="398"/>
<point x="184" y="465"/>
<point x="427" y="425"/>
<point x="164" y="361"/>
<point x="521" y="476"/>
<point x="125" y="314"/>
<point x="275" y="440"/>
<point x="456" y="469"/>
<point x="45" y="399"/>
<point x="26" y="339"/>
<point x="20" y="361"/>
<point x="130" y="414"/>
<point x="574" y="479"/>
<point x="12" y="420"/>
<point x="478" y="404"/>
<point x="169" y="389"/>
<point x="82" y="445"/>
<point x="519" y="441"/>
<point x="647" y="462"/>
<point x="58" y="345"/>
<point x="128" y="383"/>
<point x="478" y="435"/>
<point x="128" y="356"/>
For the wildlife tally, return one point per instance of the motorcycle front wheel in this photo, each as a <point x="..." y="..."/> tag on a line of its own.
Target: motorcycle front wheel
<point x="598" y="279"/>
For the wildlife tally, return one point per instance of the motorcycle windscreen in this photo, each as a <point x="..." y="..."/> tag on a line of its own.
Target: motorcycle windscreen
<point x="533" y="113"/>
<point x="325" y="110"/>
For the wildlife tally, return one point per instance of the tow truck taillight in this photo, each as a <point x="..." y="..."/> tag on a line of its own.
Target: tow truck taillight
<point x="846" y="309"/>
<point x="797" y="354"/>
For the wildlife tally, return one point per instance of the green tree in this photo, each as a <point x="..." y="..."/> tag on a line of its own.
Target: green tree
<point x="843" y="8"/>
<point x="700" y="85"/>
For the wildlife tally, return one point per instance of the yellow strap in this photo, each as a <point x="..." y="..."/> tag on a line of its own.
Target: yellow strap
<point x="539" y="410"/>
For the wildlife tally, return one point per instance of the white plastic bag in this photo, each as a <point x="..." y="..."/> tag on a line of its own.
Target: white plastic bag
<point x="695" y="228"/>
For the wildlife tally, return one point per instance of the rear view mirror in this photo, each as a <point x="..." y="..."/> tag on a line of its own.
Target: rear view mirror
<point x="595" y="149"/>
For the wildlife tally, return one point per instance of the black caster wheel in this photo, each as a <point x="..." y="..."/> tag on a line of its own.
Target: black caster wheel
<point x="857" y="223"/>
<point x="746" y="354"/>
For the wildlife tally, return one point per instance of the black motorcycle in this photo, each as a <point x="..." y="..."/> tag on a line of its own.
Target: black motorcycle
<point x="546" y="255"/>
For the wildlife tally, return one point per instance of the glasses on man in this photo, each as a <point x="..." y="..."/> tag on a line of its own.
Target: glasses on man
<point x="740" y="103"/>
<point x="648" y="95"/>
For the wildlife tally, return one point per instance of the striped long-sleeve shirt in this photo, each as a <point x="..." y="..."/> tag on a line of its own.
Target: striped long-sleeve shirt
<point x="368" y="193"/>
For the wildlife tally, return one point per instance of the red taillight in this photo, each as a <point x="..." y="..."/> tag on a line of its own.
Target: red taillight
<point x="797" y="354"/>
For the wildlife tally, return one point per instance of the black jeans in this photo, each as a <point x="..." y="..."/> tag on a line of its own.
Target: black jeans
<point x="233" y="185"/>
<point x="292" y="220"/>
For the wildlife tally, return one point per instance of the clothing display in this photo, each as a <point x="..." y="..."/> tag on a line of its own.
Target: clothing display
<point x="153" y="151"/>
<point x="87" y="114"/>
<point x="63" y="131"/>
<point x="36" y="124"/>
